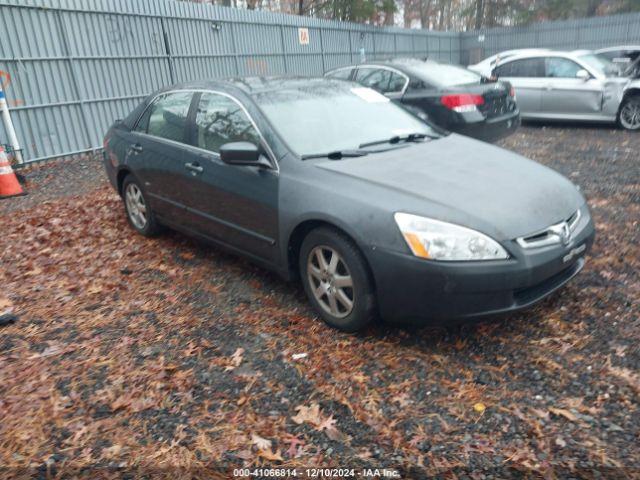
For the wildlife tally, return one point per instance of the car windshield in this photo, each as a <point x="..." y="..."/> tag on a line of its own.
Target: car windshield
<point x="601" y="64"/>
<point x="444" y="75"/>
<point x="335" y="116"/>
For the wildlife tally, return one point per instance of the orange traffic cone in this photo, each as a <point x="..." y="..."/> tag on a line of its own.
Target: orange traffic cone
<point x="9" y="185"/>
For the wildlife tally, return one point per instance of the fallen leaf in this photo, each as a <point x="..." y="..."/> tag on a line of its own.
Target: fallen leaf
<point x="261" y="443"/>
<point x="269" y="455"/>
<point x="479" y="407"/>
<point x="563" y="413"/>
<point x="309" y="414"/>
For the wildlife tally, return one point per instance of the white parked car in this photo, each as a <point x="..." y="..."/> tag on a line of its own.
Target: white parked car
<point x="578" y="85"/>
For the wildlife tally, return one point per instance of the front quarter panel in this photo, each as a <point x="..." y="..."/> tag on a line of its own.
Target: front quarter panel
<point x="309" y="193"/>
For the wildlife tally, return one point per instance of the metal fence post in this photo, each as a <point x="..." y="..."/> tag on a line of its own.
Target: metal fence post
<point x="74" y="77"/>
<point x="324" y="68"/>
<point x="236" y="60"/>
<point x="284" y="51"/>
<point x="167" y="50"/>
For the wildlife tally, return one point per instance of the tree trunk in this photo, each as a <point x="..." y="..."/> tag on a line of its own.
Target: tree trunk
<point x="479" y="14"/>
<point x="300" y="7"/>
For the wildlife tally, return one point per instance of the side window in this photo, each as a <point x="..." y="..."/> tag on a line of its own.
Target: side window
<point x="167" y="117"/>
<point x="340" y="74"/>
<point x="143" y="121"/>
<point x="376" y="78"/>
<point x="397" y="83"/>
<point x="221" y="120"/>
<point x="525" y="68"/>
<point x="561" y="67"/>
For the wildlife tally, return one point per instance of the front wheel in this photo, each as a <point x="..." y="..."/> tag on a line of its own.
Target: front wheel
<point x="336" y="279"/>
<point x="629" y="115"/>
<point x="139" y="213"/>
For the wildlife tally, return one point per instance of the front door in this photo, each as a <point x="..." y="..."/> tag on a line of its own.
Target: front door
<point x="567" y="95"/>
<point x="234" y="205"/>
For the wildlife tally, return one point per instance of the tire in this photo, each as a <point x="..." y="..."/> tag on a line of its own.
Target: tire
<point x="139" y="213"/>
<point x="629" y="113"/>
<point x="332" y="280"/>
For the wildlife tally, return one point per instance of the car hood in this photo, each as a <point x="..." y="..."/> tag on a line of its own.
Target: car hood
<point x="468" y="182"/>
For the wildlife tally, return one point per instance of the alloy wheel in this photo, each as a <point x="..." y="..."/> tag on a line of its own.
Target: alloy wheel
<point x="136" y="208"/>
<point x="630" y="115"/>
<point x="330" y="281"/>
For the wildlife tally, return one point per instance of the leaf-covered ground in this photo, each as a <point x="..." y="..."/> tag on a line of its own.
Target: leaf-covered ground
<point x="168" y="358"/>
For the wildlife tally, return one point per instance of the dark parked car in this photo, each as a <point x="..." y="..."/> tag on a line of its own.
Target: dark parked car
<point x="330" y="182"/>
<point x="451" y="97"/>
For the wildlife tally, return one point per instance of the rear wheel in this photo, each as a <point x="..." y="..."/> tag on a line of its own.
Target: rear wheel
<point x="629" y="115"/>
<point x="139" y="213"/>
<point x="336" y="279"/>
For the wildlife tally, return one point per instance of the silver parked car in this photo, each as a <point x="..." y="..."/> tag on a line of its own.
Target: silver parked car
<point x="578" y="85"/>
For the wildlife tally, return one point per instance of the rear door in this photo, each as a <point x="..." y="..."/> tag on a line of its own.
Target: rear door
<point x="235" y="205"/>
<point x="567" y="95"/>
<point x="156" y="153"/>
<point x="526" y="75"/>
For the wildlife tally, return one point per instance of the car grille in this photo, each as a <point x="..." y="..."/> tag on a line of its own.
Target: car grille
<point x="548" y="236"/>
<point x="497" y="105"/>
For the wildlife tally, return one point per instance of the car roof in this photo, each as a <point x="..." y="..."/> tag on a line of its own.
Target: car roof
<point x="619" y="47"/>
<point x="402" y="64"/>
<point x="255" y="85"/>
<point x="511" y="53"/>
<point x="548" y="53"/>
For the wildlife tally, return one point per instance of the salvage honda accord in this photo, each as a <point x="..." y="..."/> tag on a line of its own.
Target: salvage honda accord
<point x="330" y="182"/>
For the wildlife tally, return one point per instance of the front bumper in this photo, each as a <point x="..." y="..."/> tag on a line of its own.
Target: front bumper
<point x="414" y="290"/>
<point x="491" y="129"/>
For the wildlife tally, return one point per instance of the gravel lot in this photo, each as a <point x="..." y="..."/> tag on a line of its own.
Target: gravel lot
<point x="170" y="359"/>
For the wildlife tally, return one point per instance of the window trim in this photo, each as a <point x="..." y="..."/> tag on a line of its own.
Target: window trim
<point x="391" y="69"/>
<point x="512" y="60"/>
<point x="352" y="68"/>
<point x="191" y="122"/>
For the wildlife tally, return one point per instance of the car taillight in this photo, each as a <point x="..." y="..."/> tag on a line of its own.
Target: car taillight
<point x="512" y="92"/>
<point x="462" y="102"/>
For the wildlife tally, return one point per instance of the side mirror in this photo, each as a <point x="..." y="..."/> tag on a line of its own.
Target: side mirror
<point x="243" y="153"/>
<point x="583" y="74"/>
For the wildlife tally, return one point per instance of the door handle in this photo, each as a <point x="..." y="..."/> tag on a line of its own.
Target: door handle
<point x="194" y="167"/>
<point x="136" y="148"/>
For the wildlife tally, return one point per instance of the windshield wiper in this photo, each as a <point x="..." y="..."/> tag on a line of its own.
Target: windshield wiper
<point x="412" y="137"/>
<point x="335" y="155"/>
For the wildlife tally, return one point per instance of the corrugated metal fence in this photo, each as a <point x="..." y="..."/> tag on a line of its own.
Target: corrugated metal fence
<point x="587" y="33"/>
<point x="70" y="67"/>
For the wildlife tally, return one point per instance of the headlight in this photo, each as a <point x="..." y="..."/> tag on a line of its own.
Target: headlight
<point x="438" y="240"/>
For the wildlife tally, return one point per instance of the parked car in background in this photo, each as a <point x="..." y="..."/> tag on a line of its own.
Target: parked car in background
<point x="486" y="66"/>
<point x="448" y="96"/>
<point x="578" y="85"/>
<point x="332" y="183"/>
<point x="627" y="57"/>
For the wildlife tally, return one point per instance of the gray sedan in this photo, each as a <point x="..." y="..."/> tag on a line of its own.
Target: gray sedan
<point x="579" y="85"/>
<point x="331" y="183"/>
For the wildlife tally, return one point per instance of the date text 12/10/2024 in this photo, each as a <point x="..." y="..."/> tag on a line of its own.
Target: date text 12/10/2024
<point x="316" y="473"/>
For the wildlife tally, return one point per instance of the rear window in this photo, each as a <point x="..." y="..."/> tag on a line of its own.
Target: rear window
<point x="443" y="75"/>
